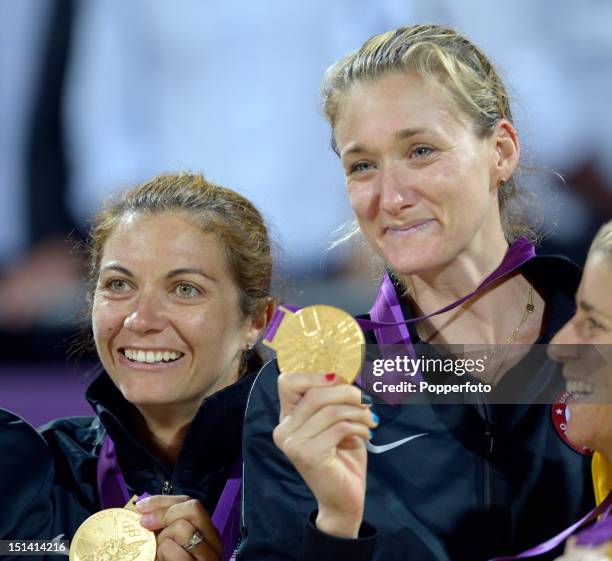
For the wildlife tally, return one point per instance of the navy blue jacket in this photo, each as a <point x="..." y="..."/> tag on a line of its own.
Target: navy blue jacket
<point x="48" y="478"/>
<point x="485" y="480"/>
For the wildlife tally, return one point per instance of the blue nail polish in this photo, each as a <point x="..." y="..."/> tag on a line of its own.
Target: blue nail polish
<point x="371" y="434"/>
<point x="365" y="398"/>
<point x="375" y="417"/>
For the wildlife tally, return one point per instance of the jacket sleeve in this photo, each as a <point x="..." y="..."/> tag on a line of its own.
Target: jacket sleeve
<point x="26" y="480"/>
<point x="277" y="504"/>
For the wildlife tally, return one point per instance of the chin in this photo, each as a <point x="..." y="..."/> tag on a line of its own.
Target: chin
<point x="414" y="256"/>
<point x="580" y="426"/>
<point x="420" y="260"/>
<point x="137" y="394"/>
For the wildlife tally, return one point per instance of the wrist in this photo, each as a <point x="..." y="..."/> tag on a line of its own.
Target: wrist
<point x="339" y="525"/>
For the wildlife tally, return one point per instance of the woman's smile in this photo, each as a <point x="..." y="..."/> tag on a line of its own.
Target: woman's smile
<point x="410" y="229"/>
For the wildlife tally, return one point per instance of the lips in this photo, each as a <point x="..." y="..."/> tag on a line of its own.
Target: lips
<point x="149" y="359"/>
<point x="408" y="228"/>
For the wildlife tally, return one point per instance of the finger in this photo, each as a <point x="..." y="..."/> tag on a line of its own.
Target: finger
<point x="194" y="512"/>
<point x="169" y="550"/>
<point x="324" y="418"/>
<point x="180" y="532"/>
<point x="156" y="502"/>
<point x="291" y="387"/>
<point x="311" y="452"/>
<point x="312" y="401"/>
<point x="316" y="398"/>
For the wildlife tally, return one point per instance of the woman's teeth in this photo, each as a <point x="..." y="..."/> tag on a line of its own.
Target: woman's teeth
<point x="152" y="356"/>
<point x="579" y="389"/>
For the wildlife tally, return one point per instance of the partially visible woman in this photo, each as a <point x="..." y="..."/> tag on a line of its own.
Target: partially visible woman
<point x="180" y="273"/>
<point x="584" y="346"/>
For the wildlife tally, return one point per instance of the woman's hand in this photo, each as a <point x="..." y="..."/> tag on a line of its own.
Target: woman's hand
<point x="322" y="430"/>
<point x="176" y="518"/>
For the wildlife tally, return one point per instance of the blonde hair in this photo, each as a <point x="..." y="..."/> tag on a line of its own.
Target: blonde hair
<point x="602" y="243"/>
<point x="439" y="52"/>
<point x="232" y="218"/>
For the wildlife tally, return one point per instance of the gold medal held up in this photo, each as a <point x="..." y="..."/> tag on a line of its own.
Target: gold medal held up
<point x="319" y="339"/>
<point x="113" y="534"/>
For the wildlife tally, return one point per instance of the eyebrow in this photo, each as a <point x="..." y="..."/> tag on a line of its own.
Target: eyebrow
<point x="117" y="268"/>
<point x="170" y="275"/>
<point x="587" y="307"/>
<point x="189" y="271"/>
<point x="399" y="135"/>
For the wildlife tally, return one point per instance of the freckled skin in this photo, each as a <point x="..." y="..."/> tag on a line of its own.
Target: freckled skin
<point x="444" y="174"/>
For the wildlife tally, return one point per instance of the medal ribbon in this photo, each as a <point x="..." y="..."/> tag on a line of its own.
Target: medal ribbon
<point x="387" y="319"/>
<point x="112" y="489"/>
<point x="595" y="535"/>
<point x="113" y="493"/>
<point x="226" y="517"/>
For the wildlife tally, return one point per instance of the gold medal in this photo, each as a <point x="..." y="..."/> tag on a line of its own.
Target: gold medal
<point x="113" y="534"/>
<point x="319" y="339"/>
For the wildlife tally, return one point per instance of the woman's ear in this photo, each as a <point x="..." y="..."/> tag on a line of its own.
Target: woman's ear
<point x="259" y="321"/>
<point x="507" y="152"/>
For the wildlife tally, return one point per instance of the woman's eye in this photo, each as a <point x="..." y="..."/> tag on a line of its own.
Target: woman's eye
<point x="422" y="152"/>
<point x="594" y="324"/>
<point x="118" y="285"/>
<point x="589" y="326"/>
<point x="360" y="167"/>
<point x="186" y="290"/>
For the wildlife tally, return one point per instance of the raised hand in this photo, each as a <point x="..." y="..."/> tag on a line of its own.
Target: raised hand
<point x="322" y="430"/>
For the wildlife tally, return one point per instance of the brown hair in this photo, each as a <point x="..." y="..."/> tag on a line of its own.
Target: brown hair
<point x="232" y="218"/>
<point x="439" y="52"/>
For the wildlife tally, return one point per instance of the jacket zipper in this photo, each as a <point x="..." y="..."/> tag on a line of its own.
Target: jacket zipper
<point x="166" y="487"/>
<point x="488" y="473"/>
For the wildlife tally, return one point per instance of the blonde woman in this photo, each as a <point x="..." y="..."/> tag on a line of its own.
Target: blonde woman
<point x="584" y="347"/>
<point x="422" y="125"/>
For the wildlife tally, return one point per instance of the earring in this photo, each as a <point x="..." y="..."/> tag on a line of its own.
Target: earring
<point x="250" y="347"/>
<point x="501" y="183"/>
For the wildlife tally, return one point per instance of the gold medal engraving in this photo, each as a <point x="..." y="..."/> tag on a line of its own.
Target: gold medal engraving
<point x="319" y="339"/>
<point x="114" y="534"/>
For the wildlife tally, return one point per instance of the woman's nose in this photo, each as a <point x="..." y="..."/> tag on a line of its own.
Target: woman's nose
<point x="565" y="345"/>
<point x="147" y="316"/>
<point x="396" y="189"/>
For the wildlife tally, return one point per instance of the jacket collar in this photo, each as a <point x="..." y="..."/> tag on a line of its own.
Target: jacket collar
<point x="212" y="442"/>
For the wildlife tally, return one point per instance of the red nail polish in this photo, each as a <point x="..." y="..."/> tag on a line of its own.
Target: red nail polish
<point x="330" y="376"/>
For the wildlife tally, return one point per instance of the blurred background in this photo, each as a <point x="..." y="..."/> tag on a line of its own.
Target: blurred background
<point x="97" y="95"/>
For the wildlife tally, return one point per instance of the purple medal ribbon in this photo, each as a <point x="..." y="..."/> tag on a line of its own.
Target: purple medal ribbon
<point x="390" y="326"/>
<point x="387" y="303"/>
<point x="596" y="535"/>
<point x="113" y="493"/>
<point x="226" y="517"/>
<point x="112" y="489"/>
<point x="388" y="322"/>
<point x="601" y="531"/>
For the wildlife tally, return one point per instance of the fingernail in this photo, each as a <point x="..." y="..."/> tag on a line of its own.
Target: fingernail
<point x="375" y="417"/>
<point x="366" y="399"/>
<point x="330" y="376"/>
<point x="141" y="505"/>
<point x="371" y="434"/>
<point x="147" y="519"/>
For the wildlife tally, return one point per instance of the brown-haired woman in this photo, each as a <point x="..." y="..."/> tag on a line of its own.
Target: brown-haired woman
<point x="422" y="124"/>
<point x="180" y="273"/>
